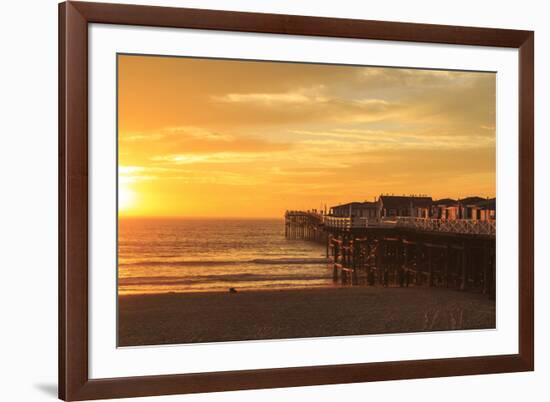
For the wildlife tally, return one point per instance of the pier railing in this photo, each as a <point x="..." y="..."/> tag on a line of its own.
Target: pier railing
<point x="462" y="226"/>
<point x="356" y="222"/>
<point x="313" y="215"/>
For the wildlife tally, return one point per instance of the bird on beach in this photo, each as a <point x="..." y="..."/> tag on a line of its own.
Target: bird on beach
<point x="232" y="290"/>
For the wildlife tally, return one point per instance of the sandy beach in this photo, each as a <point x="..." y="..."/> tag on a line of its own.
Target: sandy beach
<point x="215" y="317"/>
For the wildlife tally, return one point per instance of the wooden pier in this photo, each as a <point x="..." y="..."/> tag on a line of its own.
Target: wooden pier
<point x="305" y="225"/>
<point x="404" y="251"/>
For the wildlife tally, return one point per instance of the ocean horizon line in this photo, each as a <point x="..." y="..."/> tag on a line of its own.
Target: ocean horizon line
<point x="281" y="217"/>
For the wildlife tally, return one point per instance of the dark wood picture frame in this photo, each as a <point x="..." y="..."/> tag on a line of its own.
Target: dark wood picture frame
<point x="74" y="381"/>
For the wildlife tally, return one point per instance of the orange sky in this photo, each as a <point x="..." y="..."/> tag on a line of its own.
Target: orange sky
<point x="201" y="137"/>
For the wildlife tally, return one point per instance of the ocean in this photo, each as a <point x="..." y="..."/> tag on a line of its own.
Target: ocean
<point x="158" y="255"/>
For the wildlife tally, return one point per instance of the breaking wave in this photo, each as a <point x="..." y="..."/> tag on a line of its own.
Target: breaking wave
<point x="198" y="263"/>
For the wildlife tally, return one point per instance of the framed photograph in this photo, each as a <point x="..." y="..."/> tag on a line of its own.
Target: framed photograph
<point x="259" y="200"/>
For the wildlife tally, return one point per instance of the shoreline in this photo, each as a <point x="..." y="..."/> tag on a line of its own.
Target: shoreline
<point x="308" y="288"/>
<point x="197" y="317"/>
<point x="239" y="290"/>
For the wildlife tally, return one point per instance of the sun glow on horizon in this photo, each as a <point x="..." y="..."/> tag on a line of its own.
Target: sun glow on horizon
<point x="126" y="199"/>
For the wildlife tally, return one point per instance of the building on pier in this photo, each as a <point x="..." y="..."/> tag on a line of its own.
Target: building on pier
<point x="473" y="208"/>
<point x="445" y="208"/>
<point x="487" y="210"/>
<point x="357" y="209"/>
<point x="477" y="208"/>
<point x="415" y="206"/>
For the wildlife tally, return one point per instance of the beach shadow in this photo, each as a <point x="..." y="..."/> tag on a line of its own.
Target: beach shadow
<point x="48" y="389"/>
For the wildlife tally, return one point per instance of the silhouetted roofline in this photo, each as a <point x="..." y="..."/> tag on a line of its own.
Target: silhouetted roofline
<point x="445" y="201"/>
<point x="356" y="204"/>
<point x="473" y="200"/>
<point x="399" y="201"/>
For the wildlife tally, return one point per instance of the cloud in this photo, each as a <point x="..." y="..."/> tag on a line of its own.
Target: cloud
<point x="269" y="99"/>
<point x="366" y="140"/>
<point x="214" y="157"/>
<point x="339" y="134"/>
<point x="140" y="137"/>
<point x="132" y="174"/>
<point x="129" y="170"/>
<point x="194" y="144"/>
<point x="171" y="133"/>
<point x="136" y="174"/>
<point x="409" y="78"/>
<point x="199" y="133"/>
<point x="318" y="102"/>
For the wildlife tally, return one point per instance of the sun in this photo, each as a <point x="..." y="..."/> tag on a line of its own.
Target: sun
<point x="126" y="199"/>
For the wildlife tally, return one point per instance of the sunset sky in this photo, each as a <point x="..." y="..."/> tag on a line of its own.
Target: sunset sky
<point x="209" y="138"/>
